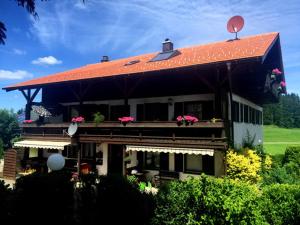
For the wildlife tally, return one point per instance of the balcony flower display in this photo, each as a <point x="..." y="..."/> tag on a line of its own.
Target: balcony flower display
<point x="275" y="72"/>
<point x="78" y="119"/>
<point x="281" y="87"/>
<point x="186" y="120"/>
<point x="27" y="121"/>
<point x="126" y="119"/>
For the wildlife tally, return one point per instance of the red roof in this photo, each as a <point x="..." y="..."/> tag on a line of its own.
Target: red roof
<point x="247" y="47"/>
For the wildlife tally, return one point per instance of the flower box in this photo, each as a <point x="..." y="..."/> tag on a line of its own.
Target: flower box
<point x="186" y="120"/>
<point x="126" y="119"/>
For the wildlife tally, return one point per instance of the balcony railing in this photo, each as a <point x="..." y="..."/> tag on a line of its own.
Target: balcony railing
<point x="160" y="133"/>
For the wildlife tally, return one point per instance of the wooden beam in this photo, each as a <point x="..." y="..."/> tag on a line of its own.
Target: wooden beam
<point x="34" y="94"/>
<point x="25" y="95"/>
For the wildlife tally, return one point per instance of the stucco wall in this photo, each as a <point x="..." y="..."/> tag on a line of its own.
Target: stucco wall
<point x="102" y="169"/>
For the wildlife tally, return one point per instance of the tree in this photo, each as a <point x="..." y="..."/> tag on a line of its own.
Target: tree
<point x="30" y="7"/>
<point x="9" y="127"/>
<point x="286" y="113"/>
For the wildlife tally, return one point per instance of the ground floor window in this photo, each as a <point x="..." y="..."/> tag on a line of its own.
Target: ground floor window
<point x="193" y="163"/>
<point x="152" y="160"/>
<point x="198" y="164"/>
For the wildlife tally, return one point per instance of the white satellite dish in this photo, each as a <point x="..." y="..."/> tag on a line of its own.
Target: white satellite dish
<point x="72" y="129"/>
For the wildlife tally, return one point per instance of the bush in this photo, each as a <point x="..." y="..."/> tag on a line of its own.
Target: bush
<point x="208" y="201"/>
<point x="244" y="167"/>
<point x="286" y="169"/>
<point x="281" y="204"/>
<point x="43" y="197"/>
<point x="114" y="201"/>
<point x="5" y="201"/>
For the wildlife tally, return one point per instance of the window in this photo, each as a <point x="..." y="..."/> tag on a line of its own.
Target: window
<point x="70" y="152"/>
<point x="208" y="163"/>
<point x="152" y="160"/>
<point x="236" y="112"/>
<point x="242" y="112"/>
<point x="117" y="111"/>
<point x="88" y="150"/>
<point x="193" y="109"/>
<point x="260" y="118"/>
<point x="246" y="114"/>
<point x="193" y="163"/>
<point x="165" y="55"/>
<point x="152" y="112"/>
<point x="179" y="162"/>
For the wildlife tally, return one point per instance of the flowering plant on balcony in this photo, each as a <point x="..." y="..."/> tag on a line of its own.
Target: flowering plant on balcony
<point x="78" y="119"/>
<point x="27" y="121"/>
<point x="126" y="119"/>
<point x="282" y="87"/>
<point x="275" y="72"/>
<point x="186" y="120"/>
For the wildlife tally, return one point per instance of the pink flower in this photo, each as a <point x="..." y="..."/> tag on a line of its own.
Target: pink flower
<point x="179" y="118"/>
<point x="282" y="84"/>
<point x="27" y="121"/>
<point x="78" y="119"/>
<point x="276" y="71"/>
<point x="126" y="119"/>
<point x="191" y="119"/>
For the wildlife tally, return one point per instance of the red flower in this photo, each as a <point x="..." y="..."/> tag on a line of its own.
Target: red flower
<point x="27" y="121"/>
<point x="282" y="84"/>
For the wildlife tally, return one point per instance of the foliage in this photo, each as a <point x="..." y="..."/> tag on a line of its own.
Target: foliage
<point x="114" y="195"/>
<point x="248" y="141"/>
<point x="98" y="118"/>
<point x="5" y="197"/>
<point x="286" y="113"/>
<point x="243" y="167"/>
<point x="208" y="200"/>
<point x="286" y="170"/>
<point x="1" y="149"/>
<point x="41" y="194"/>
<point x="280" y="204"/>
<point x="9" y="127"/>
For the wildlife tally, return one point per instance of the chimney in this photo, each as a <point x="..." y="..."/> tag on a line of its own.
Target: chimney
<point x="105" y="58"/>
<point x="167" y="45"/>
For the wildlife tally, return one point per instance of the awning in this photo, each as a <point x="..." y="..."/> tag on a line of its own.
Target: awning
<point x="42" y="144"/>
<point x="195" y="151"/>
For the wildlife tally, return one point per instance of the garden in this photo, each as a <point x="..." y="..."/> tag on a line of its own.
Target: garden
<point x="258" y="189"/>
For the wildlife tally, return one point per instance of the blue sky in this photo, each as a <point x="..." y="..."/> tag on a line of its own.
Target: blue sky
<point x="69" y="34"/>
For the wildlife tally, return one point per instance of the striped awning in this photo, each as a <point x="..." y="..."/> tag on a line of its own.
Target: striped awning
<point x="42" y="144"/>
<point x="195" y="151"/>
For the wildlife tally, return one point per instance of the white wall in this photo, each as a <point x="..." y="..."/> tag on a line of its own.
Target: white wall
<point x="102" y="169"/>
<point x="241" y="128"/>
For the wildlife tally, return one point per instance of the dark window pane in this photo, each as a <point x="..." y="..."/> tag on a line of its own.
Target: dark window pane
<point x="140" y="114"/>
<point x="207" y="110"/>
<point x="236" y="112"/>
<point x="242" y="112"/>
<point x="179" y="162"/>
<point x="178" y="109"/>
<point x="246" y="114"/>
<point x="193" y="109"/>
<point x="208" y="164"/>
<point x="164" y="161"/>
<point x="117" y="111"/>
<point x="156" y="112"/>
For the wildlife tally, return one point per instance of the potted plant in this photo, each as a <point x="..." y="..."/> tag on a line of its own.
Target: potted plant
<point x="187" y="120"/>
<point x="275" y="73"/>
<point x="126" y="119"/>
<point x="78" y="119"/>
<point x="98" y="118"/>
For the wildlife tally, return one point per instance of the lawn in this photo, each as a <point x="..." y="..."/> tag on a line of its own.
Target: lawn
<point x="277" y="139"/>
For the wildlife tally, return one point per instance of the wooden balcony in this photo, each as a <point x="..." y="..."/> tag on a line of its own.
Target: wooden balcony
<point x="169" y="133"/>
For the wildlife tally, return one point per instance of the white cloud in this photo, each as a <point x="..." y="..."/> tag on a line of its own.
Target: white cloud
<point x="15" y="75"/>
<point x="19" y="51"/>
<point x="48" y="60"/>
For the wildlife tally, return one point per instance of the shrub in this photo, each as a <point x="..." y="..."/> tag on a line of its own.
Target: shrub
<point x="5" y="201"/>
<point x="208" y="201"/>
<point x="43" y="197"/>
<point x="281" y="204"/>
<point x="286" y="169"/>
<point x="243" y="167"/>
<point x="114" y="201"/>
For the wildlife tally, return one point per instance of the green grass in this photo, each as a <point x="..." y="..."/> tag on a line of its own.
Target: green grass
<point x="277" y="139"/>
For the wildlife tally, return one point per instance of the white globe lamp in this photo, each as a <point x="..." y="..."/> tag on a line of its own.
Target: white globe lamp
<point x="55" y="162"/>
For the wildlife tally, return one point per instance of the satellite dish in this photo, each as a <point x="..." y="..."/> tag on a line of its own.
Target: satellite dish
<point x="72" y="129"/>
<point x="235" y="24"/>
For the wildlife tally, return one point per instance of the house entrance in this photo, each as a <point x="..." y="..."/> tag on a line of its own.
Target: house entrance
<point x="115" y="159"/>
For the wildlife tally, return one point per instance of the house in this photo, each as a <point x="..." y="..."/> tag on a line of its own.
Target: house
<point x="223" y="84"/>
